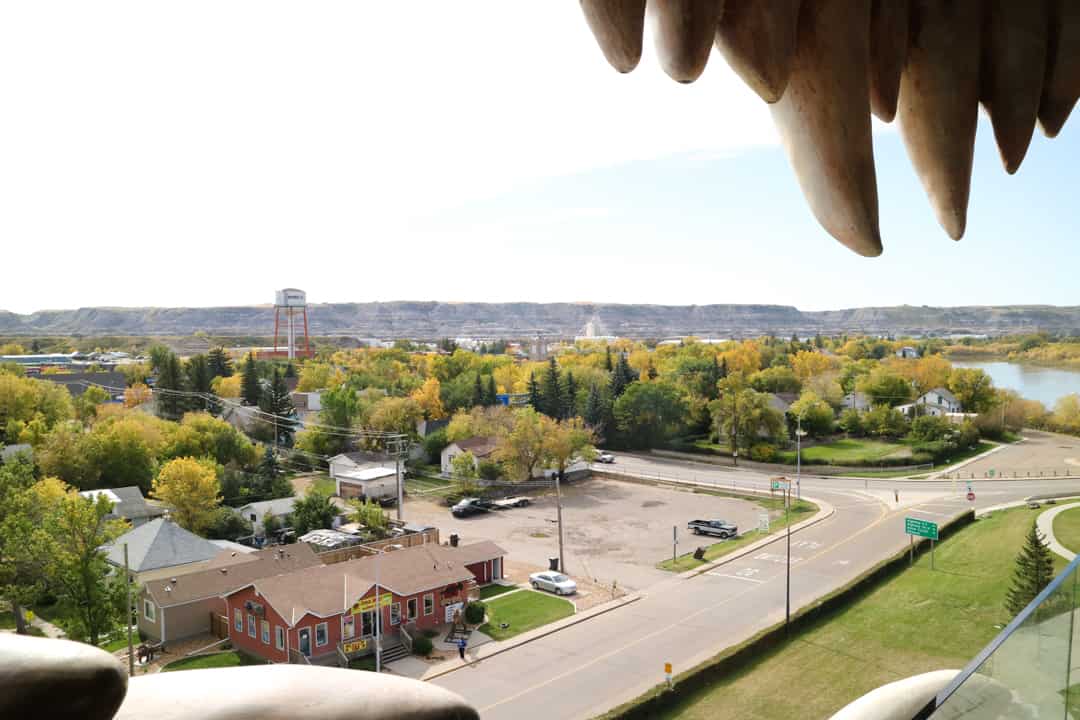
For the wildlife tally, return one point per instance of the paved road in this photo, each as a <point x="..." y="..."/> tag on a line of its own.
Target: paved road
<point x="588" y="668"/>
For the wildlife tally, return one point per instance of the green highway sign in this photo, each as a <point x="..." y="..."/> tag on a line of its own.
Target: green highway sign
<point x="921" y="528"/>
<point x="781" y="485"/>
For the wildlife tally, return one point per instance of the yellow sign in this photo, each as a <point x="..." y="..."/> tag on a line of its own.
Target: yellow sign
<point x="367" y="604"/>
<point x="354" y="646"/>
<point x="667" y="668"/>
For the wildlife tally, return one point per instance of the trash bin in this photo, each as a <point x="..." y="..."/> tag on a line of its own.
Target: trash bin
<point x="453" y="539"/>
<point x="553" y="564"/>
<point x="699" y="554"/>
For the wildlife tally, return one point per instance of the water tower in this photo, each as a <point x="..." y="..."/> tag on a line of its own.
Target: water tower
<point x="291" y="303"/>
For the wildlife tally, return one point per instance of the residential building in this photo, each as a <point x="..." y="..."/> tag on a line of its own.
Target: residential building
<point x="858" y="401"/>
<point x="161" y="548"/>
<point x="907" y="352"/>
<point x="781" y="402"/>
<point x="78" y="382"/>
<point x="481" y="447"/>
<point x="938" y="402"/>
<point x="183" y="605"/>
<point x="257" y="512"/>
<point x="319" y="612"/>
<point x="375" y="483"/>
<point x="129" y="504"/>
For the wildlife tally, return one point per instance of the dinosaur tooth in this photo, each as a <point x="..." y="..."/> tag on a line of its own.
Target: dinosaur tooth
<point x="618" y="26"/>
<point x="684" y="31"/>
<point x="757" y="38"/>
<point x="1061" y="87"/>
<point x="824" y="121"/>
<point x="938" y="104"/>
<point x="888" y="51"/>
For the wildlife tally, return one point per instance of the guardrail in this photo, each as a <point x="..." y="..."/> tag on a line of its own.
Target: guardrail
<point x="406" y="636"/>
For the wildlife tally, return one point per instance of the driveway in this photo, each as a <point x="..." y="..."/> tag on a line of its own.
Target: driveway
<point x="614" y="531"/>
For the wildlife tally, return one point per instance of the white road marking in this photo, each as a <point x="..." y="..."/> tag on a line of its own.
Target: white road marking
<point x="776" y="558"/>
<point x="927" y="512"/>
<point x="733" y="577"/>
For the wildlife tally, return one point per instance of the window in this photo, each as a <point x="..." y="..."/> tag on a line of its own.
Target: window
<point x="279" y="637"/>
<point x="148" y="611"/>
<point x="251" y="625"/>
<point x="265" y="632"/>
<point x="367" y="624"/>
<point x="239" y="620"/>
<point x="410" y="609"/>
<point x="252" y="517"/>
<point x="348" y="626"/>
<point x="429" y="604"/>
<point x="320" y="635"/>
<point x="395" y="613"/>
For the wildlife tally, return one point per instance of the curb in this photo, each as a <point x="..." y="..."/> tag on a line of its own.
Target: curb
<point x="569" y="622"/>
<point x="1045" y="523"/>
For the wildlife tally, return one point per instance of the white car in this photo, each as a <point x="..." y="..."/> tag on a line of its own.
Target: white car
<point x="553" y="582"/>
<point x="605" y="457"/>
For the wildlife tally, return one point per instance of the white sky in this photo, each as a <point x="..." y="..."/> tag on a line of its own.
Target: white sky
<point x="206" y="153"/>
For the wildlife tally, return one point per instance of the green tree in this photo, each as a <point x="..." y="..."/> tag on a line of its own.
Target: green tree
<point x="370" y="514"/>
<point x="524" y="449"/>
<point x="95" y="595"/>
<point x="198" y="376"/>
<point x="227" y="524"/>
<point x="884" y="421"/>
<point x="621" y="377"/>
<point x="191" y="487"/>
<point x="647" y="414"/>
<point x="478" y="392"/>
<point x="743" y="415"/>
<point x="1034" y="571"/>
<point x="490" y="392"/>
<point x="276" y="403"/>
<point x="219" y="362"/>
<point x="26" y="545"/>
<point x="607" y="358"/>
<point x="851" y="422"/>
<point x="170" y="388"/>
<point x="973" y="388"/>
<point x="596" y="410"/>
<point x="570" y="441"/>
<point x="775" y="380"/>
<point x="250" y="386"/>
<point x="884" y="387"/>
<point x="535" y="400"/>
<point x="817" y="415"/>
<point x="463" y="465"/>
<point x="86" y="405"/>
<point x="930" y="428"/>
<point x="569" y="408"/>
<point x="314" y="511"/>
<point x="551" y="397"/>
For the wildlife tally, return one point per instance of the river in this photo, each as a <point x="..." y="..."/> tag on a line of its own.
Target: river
<point x="1036" y="382"/>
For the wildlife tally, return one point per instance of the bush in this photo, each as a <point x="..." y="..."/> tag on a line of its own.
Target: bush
<point x="434" y="444"/>
<point x="422" y="645"/>
<point x="931" y="428"/>
<point x="474" y="612"/>
<point x="763" y="452"/>
<point x="489" y="470"/>
<point x="851" y="422"/>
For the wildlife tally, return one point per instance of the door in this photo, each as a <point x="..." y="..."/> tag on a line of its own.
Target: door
<point x="496" y="568"/>
<point x="305" y="641"/>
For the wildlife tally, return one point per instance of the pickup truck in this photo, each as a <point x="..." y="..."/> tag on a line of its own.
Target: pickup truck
<point x="719" y="528"/>
<point x="511" y="502"/>
<point x="471" y="506"/>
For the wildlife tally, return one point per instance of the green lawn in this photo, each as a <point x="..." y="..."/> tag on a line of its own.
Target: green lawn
<point x="1067" y="529"/>
<point x="848" y="451"/>
<point x="523" y="611"/>
<point x="120" y="642"/>
<point x="217" y="660"/>
<point x="489" y="591"/>
<point x="800" y="510"/>
<point x="427" y="485"/>
<point x="7" y="620"/>
<point x="367" y="662"/>
<point x="323" y="485"/>
<point x="920" y="620"/>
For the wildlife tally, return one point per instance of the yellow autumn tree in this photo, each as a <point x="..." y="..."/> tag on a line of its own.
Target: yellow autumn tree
<point x="227" y="387"/>
<point x="191" y="487"/>
<point x="429" y="398"/>
<point x="806" y="364"/>
<point x="136" y="395"/>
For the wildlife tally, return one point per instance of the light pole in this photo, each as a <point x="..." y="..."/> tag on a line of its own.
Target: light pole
<point x="787" y="516"/>
<point x="558" y="506"/>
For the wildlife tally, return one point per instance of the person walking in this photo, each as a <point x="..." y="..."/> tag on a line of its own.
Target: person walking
<point x="461" y="643"/>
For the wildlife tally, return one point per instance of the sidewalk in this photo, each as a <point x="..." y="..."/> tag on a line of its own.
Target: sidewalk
<point x="1045" y="523"/>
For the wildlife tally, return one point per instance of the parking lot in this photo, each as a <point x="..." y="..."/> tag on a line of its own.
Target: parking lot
<point x="614" y="531"/>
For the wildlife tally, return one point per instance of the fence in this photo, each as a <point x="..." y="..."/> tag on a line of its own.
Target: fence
<point x="1060" y="471"/>
<point x="219" y="626"/>
<point x="752" y="487"/>
<point x="298" y="658"/>
<point x="329" y="557"/>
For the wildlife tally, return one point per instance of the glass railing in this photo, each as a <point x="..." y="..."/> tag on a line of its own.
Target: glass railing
<point x="1030" y="670"/>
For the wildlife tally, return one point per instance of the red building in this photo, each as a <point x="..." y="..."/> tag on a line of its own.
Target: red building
<point x="313" y="612"/>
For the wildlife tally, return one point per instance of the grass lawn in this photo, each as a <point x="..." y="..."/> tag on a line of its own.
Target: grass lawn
<point x="366" y="662"/>
<point x="920" y="620"/>
<point x="217" y="660"/>
<point x="523" y="611"/>
<point x="848" y="451"/>
<point x="800" y="510"/>
<point x="323" y="485"/>
<point x="120" y="642"/>
<point x="490" y="591"/>
<point x="427" y="485"/>
<point x="7" y="620"/>
<point x="1067" y="529"/>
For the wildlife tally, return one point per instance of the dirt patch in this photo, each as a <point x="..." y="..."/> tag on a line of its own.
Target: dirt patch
<point x="652" y="503"/>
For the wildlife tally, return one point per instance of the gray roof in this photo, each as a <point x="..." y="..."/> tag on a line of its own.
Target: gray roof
<point x="77" y="383"/>
<point x="159" y="544"/>
<point x="128" y="502"/>
<point x="278" y="507"/>
<point x="943" y="393"/>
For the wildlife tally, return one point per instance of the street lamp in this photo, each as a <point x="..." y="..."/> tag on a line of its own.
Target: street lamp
<point x="787" y="514"/>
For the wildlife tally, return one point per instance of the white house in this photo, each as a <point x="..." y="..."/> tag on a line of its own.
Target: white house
<point x="481" y="448"/>
<point x="257" y="512"/>
<point x="375" y="483"/>
<point x="907" y="352"/>
<point x="857" y="401"/>
<point x="939" y="402"/>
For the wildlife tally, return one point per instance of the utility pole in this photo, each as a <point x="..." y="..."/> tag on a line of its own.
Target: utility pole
<point x="378" y="616"/>
<point x="127" y="614"/>
<point x="787" y="592"/>
<point x="558" y="505"/>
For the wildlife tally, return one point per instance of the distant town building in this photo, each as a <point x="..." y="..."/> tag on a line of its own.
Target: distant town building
<point x="907" y="352"/>
<point x="129" y="504"/>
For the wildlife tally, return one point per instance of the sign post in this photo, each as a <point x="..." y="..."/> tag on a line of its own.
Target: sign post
<point x="674" y="541"/>
<point x="921" y="528"/>
<point x="667" y="673"/>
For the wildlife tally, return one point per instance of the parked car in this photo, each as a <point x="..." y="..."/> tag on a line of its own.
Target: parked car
<point x="554" y="582"/>
<point x="605" y="457"/>
<point x="515" y="501"/>
<point x="471" y="506"/>
<point x="719" y="528"/>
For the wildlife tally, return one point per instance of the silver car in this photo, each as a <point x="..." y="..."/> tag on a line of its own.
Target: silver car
<point x="553" y="582"/>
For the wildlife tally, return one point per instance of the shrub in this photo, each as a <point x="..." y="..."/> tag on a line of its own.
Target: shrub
<point x="434" y="444"/>
<point x="489" y="470"/>
<point x="931" y="428"/>
<point x="422" y="645"/>
<point x="851" y="422"/>
<point x="474" y="612"/>
<point x="763" y="452"/>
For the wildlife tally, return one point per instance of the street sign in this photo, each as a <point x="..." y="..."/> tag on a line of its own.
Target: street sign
<point x="971" y="496"/>
<point x="781" y="484"/>
<point x="921" y="528"/>
<point x="763" y="522"/>
<point x="991" y="473"/>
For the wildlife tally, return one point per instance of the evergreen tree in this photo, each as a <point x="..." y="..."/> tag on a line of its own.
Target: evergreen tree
<point x="651" y="370"/>
<point x="276" y="402"/>
<point x="171" y="403"/>
<point x="477" y="392"/>
<point x="35" y="346"/>
<point x="197" y="371"/>
<point x="712" y="377"/>
<point x="290" y="370"/>
<point x="607" y="358"/>
<point x="595" y="412"/>
<point x="534" y="393"/>
<point x="220" y="363"/>
<point x="250" y="387"/>
<point x="570" y="396"/>
<point x="491" y="392"/>
<point x="269" y="467"/>
<point x="552" y="398"/>
<point x="1034" y="571"/>
<point x="621" y="377"/>
<point x="723" y="368"/>
<point x="819" y="342"/>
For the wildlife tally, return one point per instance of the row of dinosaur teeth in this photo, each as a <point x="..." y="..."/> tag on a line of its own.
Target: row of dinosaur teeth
<point x="825" y="65"/>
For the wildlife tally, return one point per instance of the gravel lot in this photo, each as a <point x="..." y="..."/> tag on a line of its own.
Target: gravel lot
<point x="614" y="531"/>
